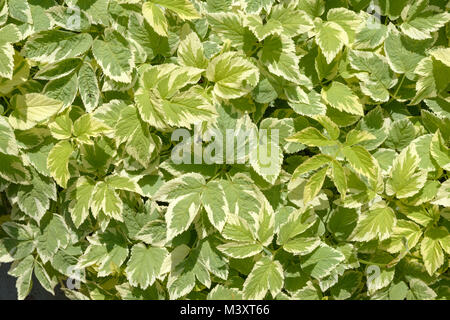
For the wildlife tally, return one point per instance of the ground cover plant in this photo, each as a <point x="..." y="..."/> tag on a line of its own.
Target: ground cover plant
<point x="226" y="149"/>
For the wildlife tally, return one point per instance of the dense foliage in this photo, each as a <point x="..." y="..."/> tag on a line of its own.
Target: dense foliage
<point x="353" y="96"/>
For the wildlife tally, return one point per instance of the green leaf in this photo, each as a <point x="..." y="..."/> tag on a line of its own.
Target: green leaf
<point x="8" y="143"/>
<point x="156" y="18"/>
<point x="403" y="54"/>
<point x="237" y="229"/>
<point x="180" y="186"/>
<point x="81" y="195"/>
<point x="435" y="241"/>
<point x="311" y="164"/>
<point x="183" y="8"/>
<point x="371" y="35"/>
<point x="393" y="8"/>
<point x="161" y="104"/>
<point x="86" y="127"/>
<point x="21" y="71"/>
<point x="215" y="203"/>
<point x="267" y="275"/>
<point x="314" y="8"/>
<point x="183" y="278"/>
<point x="321" y="261"/>
<point x="403" y="230"/>
<point x="219" y="292"/>
<point x="346" y="285"/>
<point x="88" y="86"/>
<point x="301" y="246"/>
<point x="421" y="27"/>
<point x="95" y="10"/>
<point x="6" y="60"/>
<point x="293" y="22"/>
<point x="106" y="253"/>
<point x="216" y="263"/>
<point x="331" y="127"/>
<point x="264" y="92"/>
<point x="13" y="169"/>
<point x="439" y="106"/>
<point x="265" y="224"/>
<point x="181" y="213"/>
<point x="240" y="250"/>
<point x="139" y="143"/>
<point x="145" y="225"/>
<point x="266" y="158"/>
<point x="341" y="97"/>
<point x="379" y="276"/>
<point x="106" y="199"/>
<point x="20" y="10"/>
<point x="23" y="270"/>
<point x="145" y="36"/>
<point x="260" y="30"/>
<point x="61" y="127"/>
<point x="339" y="178"/>
<point x="230" y="26"/>
<point x="330" y="37"/>
<point x="114" y="57"/>
<point x="233" y="76"/>
<point x="422" y="145"/>
<point x="47" y="281"/>
<point x="187" y="108"/>
<point x="21" y="245"/>
<point x="311" y="137"/>
<point x="443" y="195"/>
<point x="309" y="105"/>
<point x="63" y="89"/>
<point x="54" y="45"/>
<point x="432" y="76"/>
<point x="356" y="137"/>
<point x="314" y="185"/>
<point x="278" y="54"/>
<point x="342" y="222"/>
<point x="244" y="242"/>
<point x="419" y="290"/>
<point x="54" y="235"/>
<point x="145" y="265"/>
<point x="34" y="200"/>
<point x="58" y="162"/>
<point x="255" y="6"/>
<point x="405" y="181"/>
<point x="32" y="109"/>
<point x="347" y="19"/>
<point x="398" y="291"/>
<point x="375" y="124"/>
<point x="298" y="222"/>
<point x="361" y="161"/>
<point x="191" y="52"/>
<point x="439" y="151"/>
<point x="375" y="75"/>
<point x="377" y="223"/>
<point x="401" y="134"/>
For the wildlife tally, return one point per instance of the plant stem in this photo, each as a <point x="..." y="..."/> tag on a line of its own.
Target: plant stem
<point x="371" y="263"/>
<point x="399" y="86"/>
